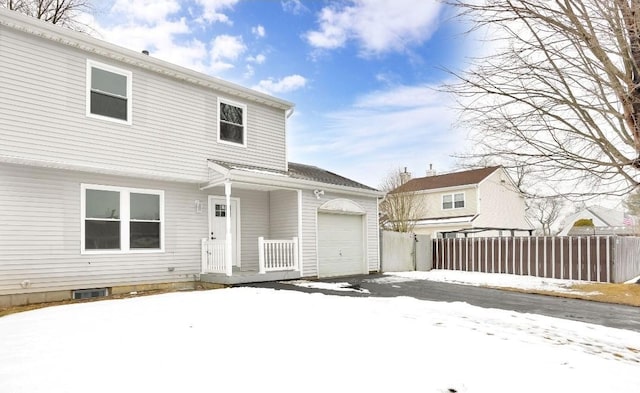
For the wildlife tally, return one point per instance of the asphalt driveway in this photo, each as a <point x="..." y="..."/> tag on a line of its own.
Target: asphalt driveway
<point x="617" y="316"/>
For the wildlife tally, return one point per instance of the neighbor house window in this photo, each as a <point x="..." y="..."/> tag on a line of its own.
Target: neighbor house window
<point x="453" y="201"/>
<point x="232" y="122"/>
<point x="108" y="92"/>
<point x="118" y="219"/>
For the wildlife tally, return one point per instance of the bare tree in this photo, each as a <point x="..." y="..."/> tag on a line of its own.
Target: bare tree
<point x="560" y="92"/>
<point x="545" y="211"/>
<point x="399" y="210"/>
<point x="59" y="12"/>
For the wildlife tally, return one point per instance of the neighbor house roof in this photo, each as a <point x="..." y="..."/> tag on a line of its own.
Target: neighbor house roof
<point x="301" y="172"/>
<point x="470" y="177"/>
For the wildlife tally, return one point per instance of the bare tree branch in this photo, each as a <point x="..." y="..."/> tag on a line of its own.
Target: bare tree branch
<point x="60" y="12"/>
<point x="399" y="210"/>
<point x="561" y="94"/>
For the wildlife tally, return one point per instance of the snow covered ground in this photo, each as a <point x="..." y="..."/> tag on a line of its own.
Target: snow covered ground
<point x="495" y="280"/>
<point x="262" y="340"/>
<point x="487" y="279"/>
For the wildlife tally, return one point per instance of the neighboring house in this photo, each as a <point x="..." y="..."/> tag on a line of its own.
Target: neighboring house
<point x="120" y="171"/>
<point x="605" y="222"/>
<point x="478" y="202"/>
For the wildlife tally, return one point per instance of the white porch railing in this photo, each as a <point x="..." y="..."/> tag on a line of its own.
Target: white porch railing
<point x="277" y="255"/>
<point x="213" y="256"/>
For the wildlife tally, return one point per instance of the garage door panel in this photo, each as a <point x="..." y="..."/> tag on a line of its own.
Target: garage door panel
<point x="340" y="245"/>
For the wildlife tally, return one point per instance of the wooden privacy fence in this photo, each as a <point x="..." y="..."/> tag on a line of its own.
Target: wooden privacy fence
<point x="589" y="258"/>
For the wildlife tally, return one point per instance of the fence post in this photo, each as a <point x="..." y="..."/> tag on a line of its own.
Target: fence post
<point x="261" y="255"/>
<point x="203" y="256"/>
<point x="295" y="254"/>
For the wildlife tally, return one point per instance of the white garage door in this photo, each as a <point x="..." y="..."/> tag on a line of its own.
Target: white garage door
<point x="340" y="245"/>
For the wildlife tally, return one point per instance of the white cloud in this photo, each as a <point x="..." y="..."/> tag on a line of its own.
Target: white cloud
<point x="258" y="59"/>
<point x="258" y="31"/>
<point x="211" y="10"/>
<point x="400" y="97"/>
<point x="150" y="11"/>
<point x="284" y="85"/>
<point x="224" y="50"/>
<point x="385" y="129"/>
<point x="377" y="26"/>
<point x="159" y="39"/>
<point x="249" y="71"/>
<point x="294" y="7"/>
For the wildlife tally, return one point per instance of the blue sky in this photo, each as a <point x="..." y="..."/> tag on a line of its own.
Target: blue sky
<point x="361" y="73"/>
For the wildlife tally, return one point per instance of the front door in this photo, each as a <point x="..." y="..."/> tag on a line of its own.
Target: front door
<point x="218" y="211"/>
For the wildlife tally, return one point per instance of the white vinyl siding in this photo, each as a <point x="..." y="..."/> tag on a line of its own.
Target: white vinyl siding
<point x="432" y="202"/>
<point x="174" y="130"/>
<point x="283" y="212"/>
<point x="500" y="205"/>
<point x="40" y="234"/>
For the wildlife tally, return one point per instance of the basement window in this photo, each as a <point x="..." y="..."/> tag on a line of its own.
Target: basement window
<point x="90" y="293"/>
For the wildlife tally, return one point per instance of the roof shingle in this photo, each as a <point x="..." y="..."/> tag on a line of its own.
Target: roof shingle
<point x="302" y="172"/>
<point x="473" y="176"/>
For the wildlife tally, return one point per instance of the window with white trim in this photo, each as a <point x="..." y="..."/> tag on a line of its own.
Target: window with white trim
<point x="119" y="219"/>
<point x="453" y="201"/>
<point x="232" y="122"/>
<point x="108" y="92"/>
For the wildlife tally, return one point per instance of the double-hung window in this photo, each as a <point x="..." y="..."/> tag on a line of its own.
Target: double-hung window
<point x="232" y="122"/>
<point x="453" y="201"/>
<point x="108" y="92"/>
<point x="118" y="219"/>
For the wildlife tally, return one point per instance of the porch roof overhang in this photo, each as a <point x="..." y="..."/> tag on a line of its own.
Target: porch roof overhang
<point x="272" y="178"/>
<point x="444" y="221"/>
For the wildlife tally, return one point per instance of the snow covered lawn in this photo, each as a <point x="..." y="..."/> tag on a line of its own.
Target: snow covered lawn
<point x="262" y="340"/>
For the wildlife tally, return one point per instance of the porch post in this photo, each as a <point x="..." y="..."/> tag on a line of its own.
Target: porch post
<point x="228" y="252"/>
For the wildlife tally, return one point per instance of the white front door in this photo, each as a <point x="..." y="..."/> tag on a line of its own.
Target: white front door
<point x="218" y="212"/>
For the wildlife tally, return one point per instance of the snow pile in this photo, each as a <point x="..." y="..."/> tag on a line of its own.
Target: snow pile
<point x="633" y="281"/>
<point x="262" y="340"/>
<point x="498" y="280"/>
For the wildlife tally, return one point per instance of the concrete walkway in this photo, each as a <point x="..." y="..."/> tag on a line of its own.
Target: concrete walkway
<point x="617" y="316"/>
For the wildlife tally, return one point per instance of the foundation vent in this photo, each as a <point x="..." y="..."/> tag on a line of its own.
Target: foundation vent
<point x="90" y="293"/>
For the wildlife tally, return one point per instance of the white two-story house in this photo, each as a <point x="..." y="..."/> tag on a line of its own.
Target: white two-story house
<point x="119" y="171"/>
<point x="477" y="202"/>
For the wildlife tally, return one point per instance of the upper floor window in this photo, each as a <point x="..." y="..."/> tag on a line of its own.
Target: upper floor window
<point x="232" y="121"/>
<point x="108" y="92"/>
<point x="118" y="219"/>
<point x="453" y="201"/>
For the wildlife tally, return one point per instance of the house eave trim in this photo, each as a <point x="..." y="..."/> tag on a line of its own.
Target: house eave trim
<point x="102" y="169"/>
<point x="283" y="181"/>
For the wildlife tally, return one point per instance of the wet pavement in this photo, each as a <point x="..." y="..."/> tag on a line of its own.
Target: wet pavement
<point x="612" y="315"/>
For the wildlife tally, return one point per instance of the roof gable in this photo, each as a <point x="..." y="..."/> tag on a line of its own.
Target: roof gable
<point x="456" y="179"/>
